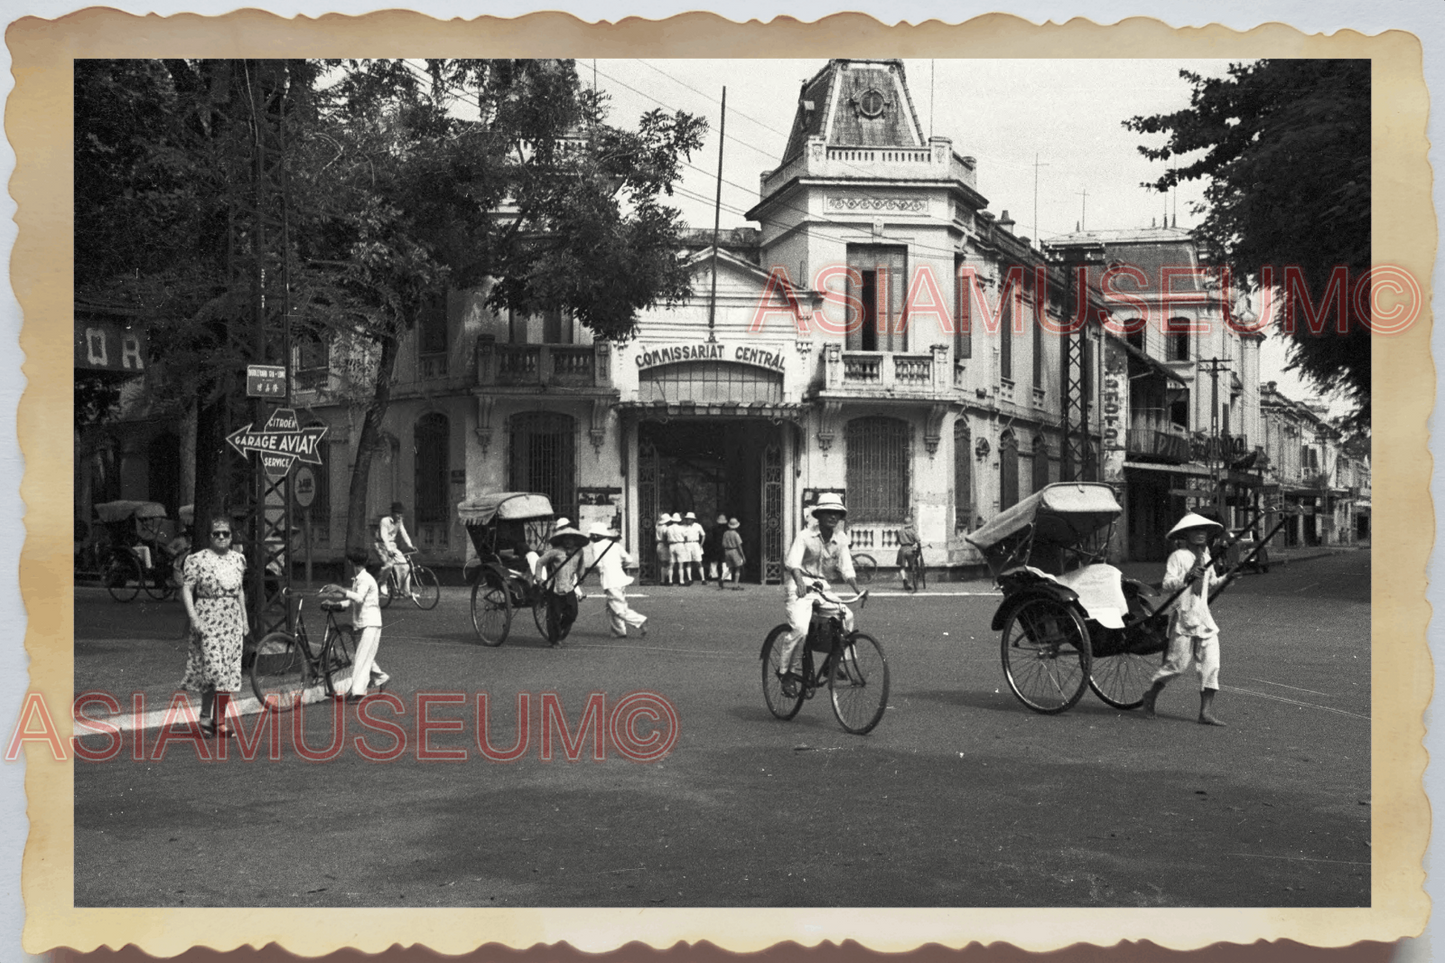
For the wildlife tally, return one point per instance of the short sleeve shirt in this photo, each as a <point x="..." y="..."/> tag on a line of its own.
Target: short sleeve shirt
<point x="829" y="560"/>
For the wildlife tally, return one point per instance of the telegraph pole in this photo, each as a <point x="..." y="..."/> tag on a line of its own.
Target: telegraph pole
<point x="716" y="218"/>
<point x="1216" y="444"/>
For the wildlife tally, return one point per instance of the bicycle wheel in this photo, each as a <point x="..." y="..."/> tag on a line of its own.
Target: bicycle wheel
<point x="920" y="575"/>
<point x="425" y="591"/>
<point x="122" y="576"/>
<point x="1046" y="656"/>
<point x="279" y="670"/>
<point x="339" y="656"/>
<point x="780" y="704"/>
<point x="491" y="610"/>
<point x="1120" y="679"/>
<point x="865" y="567"/>
<point x="858" y="682"/>
<point x="157" y="582"/>
<point x="388" y="588"/>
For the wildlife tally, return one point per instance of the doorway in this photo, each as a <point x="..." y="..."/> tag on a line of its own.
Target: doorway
<point x="709" y="467"/>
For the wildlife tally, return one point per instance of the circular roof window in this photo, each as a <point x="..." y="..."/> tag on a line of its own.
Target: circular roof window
<point x="871" y="103"/>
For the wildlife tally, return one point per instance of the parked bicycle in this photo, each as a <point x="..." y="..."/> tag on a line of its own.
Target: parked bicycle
<point x="137" y="556"/>
<point x="865" y="566"/>
<point x="853" y="667"/>
<point x="284" y="664"/>
<point x="425" y="590"/>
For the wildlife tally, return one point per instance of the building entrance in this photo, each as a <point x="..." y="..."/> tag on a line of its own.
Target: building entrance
<point x="713" y="467"/>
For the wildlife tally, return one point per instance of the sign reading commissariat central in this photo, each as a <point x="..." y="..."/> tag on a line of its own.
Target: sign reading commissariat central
<point x="281" y="443"/>
<point x="762" y="356"/>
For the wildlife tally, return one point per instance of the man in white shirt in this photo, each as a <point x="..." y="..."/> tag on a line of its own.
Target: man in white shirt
<point x="606" y="555"/>
<point x="389" y="532"/>
<point x="816" y="557"/>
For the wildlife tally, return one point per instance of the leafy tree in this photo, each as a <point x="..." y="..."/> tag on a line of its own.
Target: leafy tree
<point x="1285" y="146"/>
<point x="504" y="174"/>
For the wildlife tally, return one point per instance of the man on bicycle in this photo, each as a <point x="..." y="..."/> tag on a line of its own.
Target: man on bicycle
<point x="389" y="531"/>
<point x="815" y="557"/>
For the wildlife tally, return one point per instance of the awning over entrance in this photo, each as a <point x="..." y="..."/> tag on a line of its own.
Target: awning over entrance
<point x="1172" y="469"/>
<point x="773" y="411"/>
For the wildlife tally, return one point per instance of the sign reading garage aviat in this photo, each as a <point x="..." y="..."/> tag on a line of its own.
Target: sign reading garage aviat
<point x="758" y="356"/>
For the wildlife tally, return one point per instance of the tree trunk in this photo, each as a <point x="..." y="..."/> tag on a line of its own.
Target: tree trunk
<point x="357" y="524"/>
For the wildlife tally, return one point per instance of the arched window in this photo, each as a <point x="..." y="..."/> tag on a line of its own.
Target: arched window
<point x="1008" y="469"/>
<point x="1041" y="461"/>
<point x="963" y="513"/>
<point x="879" y="465"/>
<point x="543" y="457"/>
<point x="431" y="437"/>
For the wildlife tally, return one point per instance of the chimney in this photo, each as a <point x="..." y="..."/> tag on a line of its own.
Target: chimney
<point x="1006" y="222"/>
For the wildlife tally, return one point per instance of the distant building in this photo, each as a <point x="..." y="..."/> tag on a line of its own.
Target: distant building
<point x="1314" y="473"/>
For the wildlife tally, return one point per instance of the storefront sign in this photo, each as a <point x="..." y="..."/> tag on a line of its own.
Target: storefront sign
<point x="761" y="356"/>
<point x="107" y="346"/>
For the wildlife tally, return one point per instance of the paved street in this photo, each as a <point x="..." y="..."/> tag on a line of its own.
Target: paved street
<point x="960" y="797"/>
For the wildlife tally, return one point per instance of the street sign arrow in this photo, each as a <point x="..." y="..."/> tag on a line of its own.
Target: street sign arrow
<point x="282" y="442"/>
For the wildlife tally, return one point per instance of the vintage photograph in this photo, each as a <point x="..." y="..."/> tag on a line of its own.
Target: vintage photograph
<point x="743" y="483"/>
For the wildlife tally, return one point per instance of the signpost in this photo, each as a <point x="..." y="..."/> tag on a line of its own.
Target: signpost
<point x="303" y="488"/>
<point x="281" y="444"/>
<point x="265" y="380"/>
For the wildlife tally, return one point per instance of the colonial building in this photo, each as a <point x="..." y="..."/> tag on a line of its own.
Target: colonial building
<point x="1314" y="472"/>
<point x="1181" y="382"/>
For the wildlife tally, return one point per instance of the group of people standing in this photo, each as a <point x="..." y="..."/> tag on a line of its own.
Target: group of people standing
<point x="688" y="553"/>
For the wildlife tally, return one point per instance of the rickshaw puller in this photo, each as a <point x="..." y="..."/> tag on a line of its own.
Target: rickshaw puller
<point x="814" y="558"/>
<point x="1193" y="634"/>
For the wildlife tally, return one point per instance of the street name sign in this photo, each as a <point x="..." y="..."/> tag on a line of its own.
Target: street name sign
<point x="265" y="380"/>
<point x="281" y="443"/>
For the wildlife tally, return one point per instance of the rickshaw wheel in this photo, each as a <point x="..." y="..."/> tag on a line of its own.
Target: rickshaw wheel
<point x="539" y="614"/>
<point x="1120" y="679"/>
<point x="122" y="576"/>
<point x="779" y="704"/>
<point x="1046" y="655"/>
<point x="491" y="609"/>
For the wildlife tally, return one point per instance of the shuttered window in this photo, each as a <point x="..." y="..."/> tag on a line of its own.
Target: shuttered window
<point x="878" y="469"/>
<point x="543" y="450"/>
<point x="963" y="513"/>
<point x="1041" y="463"/>
<point x="1008" y="468"/>
<point x="431" y="436"/>
<point x="881" y="287"/>
<point x="962" y="306"/>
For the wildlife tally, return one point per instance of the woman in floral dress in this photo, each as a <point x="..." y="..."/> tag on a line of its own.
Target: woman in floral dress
<point x="213" y="592"/>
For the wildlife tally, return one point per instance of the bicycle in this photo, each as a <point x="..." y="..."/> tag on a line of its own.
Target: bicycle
<point x="425" y="590"/>
<point x="864" y="567"/>
<point x="285" y="665"/>
<point x="855" y="668"/>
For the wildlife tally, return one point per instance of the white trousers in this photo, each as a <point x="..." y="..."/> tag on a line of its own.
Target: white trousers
<point x="620" y="614"/>
<point x="363" y="665"/>
<point x="1184" y="649"/>
<point x="800" y="613"/>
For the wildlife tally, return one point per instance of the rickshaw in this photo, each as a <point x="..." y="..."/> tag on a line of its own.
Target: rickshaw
<point x="504" y="527"/>
<point x="136" y="553"/>
<point x="1068" y="620"/>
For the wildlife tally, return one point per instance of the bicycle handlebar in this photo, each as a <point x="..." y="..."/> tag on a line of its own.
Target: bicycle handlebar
<point x="825" y="596"/>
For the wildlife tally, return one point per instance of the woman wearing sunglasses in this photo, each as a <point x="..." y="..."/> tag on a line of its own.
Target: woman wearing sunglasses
<point x="213" y="592"/>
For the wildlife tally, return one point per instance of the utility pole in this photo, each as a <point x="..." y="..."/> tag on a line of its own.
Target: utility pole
<point x="1216" y="444"/>
<point x="716" y="218"/>
<point x="1037" y="165"/>
<point x="1084" y="210"/>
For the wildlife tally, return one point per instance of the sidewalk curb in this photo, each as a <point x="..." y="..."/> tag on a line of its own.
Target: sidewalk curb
<point x="156" y="718"/>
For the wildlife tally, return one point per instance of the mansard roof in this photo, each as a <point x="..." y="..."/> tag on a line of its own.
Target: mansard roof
<point x="856" y="103"/>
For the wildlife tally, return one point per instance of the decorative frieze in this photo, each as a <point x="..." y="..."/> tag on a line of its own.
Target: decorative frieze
<point x="903" y="205"/>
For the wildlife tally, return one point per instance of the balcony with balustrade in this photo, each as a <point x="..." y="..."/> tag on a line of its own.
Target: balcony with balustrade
<point x="935" y="161"/>
<point x="530" y="368"/>
<point x="918" y="375"/>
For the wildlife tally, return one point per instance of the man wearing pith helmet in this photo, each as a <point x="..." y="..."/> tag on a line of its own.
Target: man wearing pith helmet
<point x="817" y="557"/>
<point x="1193" y="636"/>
